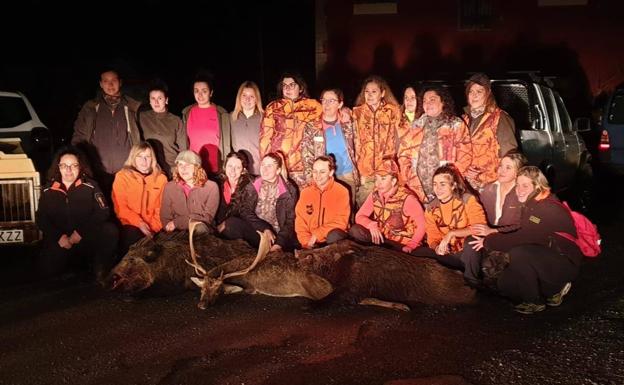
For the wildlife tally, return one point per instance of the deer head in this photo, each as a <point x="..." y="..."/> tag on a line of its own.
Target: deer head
<point x="212" y="288"/>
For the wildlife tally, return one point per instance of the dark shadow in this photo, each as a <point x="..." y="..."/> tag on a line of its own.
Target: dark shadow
<point x="384" y="66"/>
<point x="337" y="72"/>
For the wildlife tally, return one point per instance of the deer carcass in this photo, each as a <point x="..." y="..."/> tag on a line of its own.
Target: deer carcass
<point x="159" y="262"/>
<point x="274" y="274"/>
<point x="377" y="276"/>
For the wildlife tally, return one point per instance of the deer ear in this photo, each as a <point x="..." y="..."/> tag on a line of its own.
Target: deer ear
<point x="197" y="281"/>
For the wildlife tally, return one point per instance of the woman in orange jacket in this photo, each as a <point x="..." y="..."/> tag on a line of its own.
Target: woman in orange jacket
<point x="492" y="132"/>
<point x="376" y="116"/>
<point x="450" y="215"/>
<point x="434" y="139"/>
<point x="284" y="125"/>
<point x="137" y="193"/>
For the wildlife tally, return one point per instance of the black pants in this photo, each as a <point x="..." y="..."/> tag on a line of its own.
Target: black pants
<point x="237" y="228"/>
<point x="97" y="251"/>
<point x="128" y="236"/>
<point x="471" y="260"/>
<point x="361" y="234"/>
<point x="534" y="273"/>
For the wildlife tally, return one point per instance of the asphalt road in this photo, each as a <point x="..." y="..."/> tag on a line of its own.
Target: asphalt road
<point x="68" y="331"/>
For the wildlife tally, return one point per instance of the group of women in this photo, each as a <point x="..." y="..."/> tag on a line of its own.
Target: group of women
<point x="467" y="188"/>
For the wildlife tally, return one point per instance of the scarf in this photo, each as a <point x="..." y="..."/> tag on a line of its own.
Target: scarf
<point x="428" y="157"/>
<point x="267" y="199"/>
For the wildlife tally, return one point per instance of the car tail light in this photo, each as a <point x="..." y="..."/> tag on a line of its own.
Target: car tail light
<point x="604" y="141"/>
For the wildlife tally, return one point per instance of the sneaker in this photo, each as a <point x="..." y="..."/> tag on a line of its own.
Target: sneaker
<point x="557" y="299"/>
<point x="529" y="308"/>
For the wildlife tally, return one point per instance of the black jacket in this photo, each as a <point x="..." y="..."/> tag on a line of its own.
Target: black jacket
<point x="233" y="208"/>
<point x="540" y="222"/>
<point x="82" y="208"/>
<point x="285" y="212"/>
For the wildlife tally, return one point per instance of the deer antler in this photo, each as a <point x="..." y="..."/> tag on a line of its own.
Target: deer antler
<point x="192" y="225"/>
<point x="198" y="269"/>
<point x="263" y="250"/>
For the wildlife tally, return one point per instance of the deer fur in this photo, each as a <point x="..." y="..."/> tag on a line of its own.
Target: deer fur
<point x="366" y="274"/>
<point x="158" y="263"/>
<point x="274" y="274"/>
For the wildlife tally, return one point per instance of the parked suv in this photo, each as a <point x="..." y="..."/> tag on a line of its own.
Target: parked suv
<point x="611" y="125"/>
<point x="18" y="119"/>
<point x="545" y="133"/>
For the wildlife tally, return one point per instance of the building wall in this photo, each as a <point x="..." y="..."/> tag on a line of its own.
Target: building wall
<point x="581" y="44"/>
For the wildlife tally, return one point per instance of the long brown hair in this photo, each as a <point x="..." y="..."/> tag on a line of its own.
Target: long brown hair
<point x="459" y="186"/>
<point x="383" y="86"/>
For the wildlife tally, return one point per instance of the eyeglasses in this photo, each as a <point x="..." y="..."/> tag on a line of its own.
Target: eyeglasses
<point x="290" y="85"/>
<point x="64" y="166"/>
<point x="329" y="101"/>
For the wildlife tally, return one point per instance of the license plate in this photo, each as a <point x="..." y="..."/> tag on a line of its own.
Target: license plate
<point x="11" y="236"/>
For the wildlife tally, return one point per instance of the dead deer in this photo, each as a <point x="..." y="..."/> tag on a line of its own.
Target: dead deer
<point x="274" y="274"/>
<point x="371" y="275"/>
<point x="157" y="264"/>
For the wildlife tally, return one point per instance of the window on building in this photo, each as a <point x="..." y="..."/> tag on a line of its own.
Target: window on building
<point x="475" y="15"/>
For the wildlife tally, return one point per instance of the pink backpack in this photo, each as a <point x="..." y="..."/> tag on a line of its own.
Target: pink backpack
<point x="588" y="238"/>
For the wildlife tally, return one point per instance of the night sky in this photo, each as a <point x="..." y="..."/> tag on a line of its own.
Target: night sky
<point x="144" y="40"/>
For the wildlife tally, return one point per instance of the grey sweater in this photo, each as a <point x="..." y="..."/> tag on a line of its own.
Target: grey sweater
<point x="201" y="204"/>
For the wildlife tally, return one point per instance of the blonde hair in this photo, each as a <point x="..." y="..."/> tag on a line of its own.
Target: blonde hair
<point x="199" y="176"/>
<point x="537" y="178"/>
<point x="134" y="151"/>
<point x="517" y="158"/>
<point x="238" y="107"/>
<point x="383" y="86"/>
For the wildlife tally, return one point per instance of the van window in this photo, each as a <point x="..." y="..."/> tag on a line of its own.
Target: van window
<point x="616" y="110"/>
<point x="564" y="117"/>
<point x="514" y="99"/>
<point x="13" y="112"/>
<point x="551" y="112"/>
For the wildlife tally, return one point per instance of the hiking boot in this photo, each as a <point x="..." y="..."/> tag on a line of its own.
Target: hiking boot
<point x="529" y="308"/>
<point x="557" y="299"/>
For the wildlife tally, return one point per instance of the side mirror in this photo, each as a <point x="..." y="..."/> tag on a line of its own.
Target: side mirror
<point x="582" y="125"/>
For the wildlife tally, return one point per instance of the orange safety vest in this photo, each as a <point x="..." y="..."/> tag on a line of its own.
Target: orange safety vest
<point x="388" y="214"/>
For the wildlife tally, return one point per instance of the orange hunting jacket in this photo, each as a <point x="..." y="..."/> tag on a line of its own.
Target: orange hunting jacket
<point x="137" y="197"/>
<point x="491" y="138"/>
<point x="457" y="213"/>
<point x="283" y="126"/>
<point x="375" y="135"/>
<point x="453" y="146"/>
<point x="318" y="212"/>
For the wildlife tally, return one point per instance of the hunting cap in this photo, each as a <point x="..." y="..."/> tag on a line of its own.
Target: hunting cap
<point x="188" y="156"/>
<point x="388" y="167"/>
<point x="479" y="78"/>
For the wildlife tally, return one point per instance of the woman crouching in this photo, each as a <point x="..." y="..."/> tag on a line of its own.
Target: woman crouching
<point x="268" y="204"/>
<point x="189" y="196"/>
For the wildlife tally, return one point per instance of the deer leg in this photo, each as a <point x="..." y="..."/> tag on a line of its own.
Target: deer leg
<point x="316" y="287"/>
<point x="231" y="289"/>
<point x="386" y="304"/>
